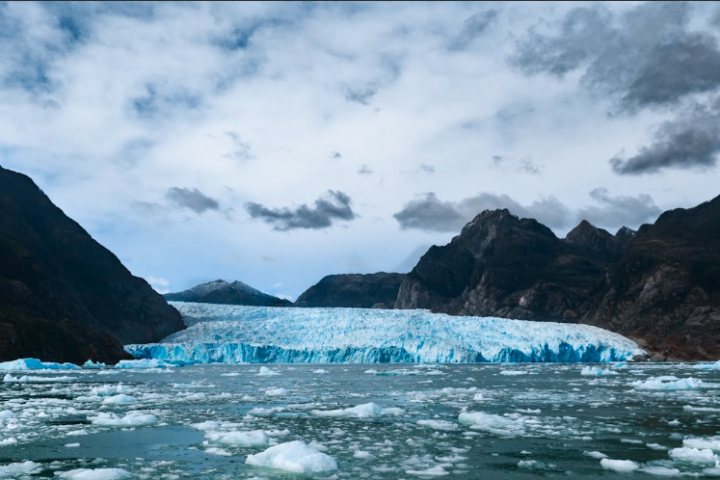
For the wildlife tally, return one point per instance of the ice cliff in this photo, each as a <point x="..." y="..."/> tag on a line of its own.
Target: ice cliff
<point x="239" y="334"/>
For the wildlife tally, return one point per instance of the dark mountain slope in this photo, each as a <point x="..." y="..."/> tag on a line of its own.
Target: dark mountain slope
<point x="353" y="290"/>
<point x="63" y="296"/>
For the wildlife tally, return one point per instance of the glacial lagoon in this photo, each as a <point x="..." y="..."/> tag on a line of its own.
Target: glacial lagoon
<point x="382" y="421"/>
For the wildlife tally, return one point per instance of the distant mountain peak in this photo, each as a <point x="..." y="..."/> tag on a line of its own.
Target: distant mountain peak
<point x="223" y="292"/>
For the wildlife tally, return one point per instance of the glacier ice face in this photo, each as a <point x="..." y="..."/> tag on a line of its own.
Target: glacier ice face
<point x="35" y="364"/>
<point x="240" y="334"/>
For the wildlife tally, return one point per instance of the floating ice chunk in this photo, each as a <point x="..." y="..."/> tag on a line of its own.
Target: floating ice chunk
<point x="8" y="441"/>
<point x="91" y="364"/>
<point x="275" y="392"/>
<point x="439" y="425"/>
<point x="359" y="411"/>
<point x="94" y="474"/>
<point x="513" y="372"/>
<point x="27" y="379"/>
<point x="35" y="364"/>
<point x="120" y="399"/>
<point x="21" y="468"/>
<point x="254" y="437"/>
<point x="72" y="445"/>
<point x="660" y="471"/>
<point x="708" y="366"/>
<point x="296" y="457"/>
<point x="362" y="454"/>
<point x="596" y="372"/>
<point x="693" y="455"/>
<point x="320" y="370"/>
<point x="436" y="471"/>
<point x="492" y="423"/>
<point x="218" y="451"/>
<point x="689" y="408"/>
<point x="595" y="454"/>
<point x="109" y="390"/>
<point x="655" y="446"/>
<point x="713" y="443"/>
<point x="619" y="465"/>
<point x="527" y="463"/>
<point x="7" y="414"/>
<point x="143" y="363"/>
<point x="132" y="419"/>
<point x="207" y="425"/>
<point x="683" y="384"/>
<point x="266" y="372"/>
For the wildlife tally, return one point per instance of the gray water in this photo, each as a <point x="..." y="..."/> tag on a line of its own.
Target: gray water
<point x="542" y="422"/>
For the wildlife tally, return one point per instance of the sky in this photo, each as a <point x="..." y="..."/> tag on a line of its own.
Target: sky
<point x="276" y="143"/>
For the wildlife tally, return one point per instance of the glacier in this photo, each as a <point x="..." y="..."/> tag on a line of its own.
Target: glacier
<point x="242" y="334"/>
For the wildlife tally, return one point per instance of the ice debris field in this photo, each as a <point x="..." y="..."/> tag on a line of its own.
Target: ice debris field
<point x="147" y="419"/>
<point x="238" y="334"/>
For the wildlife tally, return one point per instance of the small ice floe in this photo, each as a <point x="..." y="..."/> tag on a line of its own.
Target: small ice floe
<point x="296" y="457"/>
<point x="497" y="424"/>
<point x="7" y="414"/>
<point x="693" y="455"/>
<point x="319" y="370"/>
<point x="682" y="384"/>
<point x="362" y="454"/>
<point x="266" y="372"/>
<point x="597" y="372"/>
<point x="689" y="408"/>
<point x="275" y="392"/>
<point x="72" y="445"/>
<point x="361" y="411"/>
<point x="20" y="468"/>
<point x="91" y="364"/>
<point x="708" y="366"/>
<point x="713" y="443"/>
<point x="511" y="373"/>
<point x="655" y="446"/>
<point x="253" y="437"/>
<point x="436" y="471"/>
<point x="218" y="451"/>
<point x="120" y="398"/>
<point x="619" y="465"/>
<point x="94" y="474"/>
<point x="35" y="364"/>
<point x="133" y="418"/>
<point x="595" y="454"/>
<point x="143" y="363"/>
<point x="8" y="441"/>
<point x="439" y="425"/>
<point x="660" y="471"/>
<point x="109" y="390"/>
<point x="27" y="379"/>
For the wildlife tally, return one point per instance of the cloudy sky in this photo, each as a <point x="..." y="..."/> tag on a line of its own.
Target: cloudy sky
<point x="277" y="143"/>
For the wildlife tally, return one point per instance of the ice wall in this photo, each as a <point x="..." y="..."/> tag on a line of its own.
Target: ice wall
<point x="237" y="334"/>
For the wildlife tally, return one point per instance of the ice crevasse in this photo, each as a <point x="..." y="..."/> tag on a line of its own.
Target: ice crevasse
<point x="240" y="334"/>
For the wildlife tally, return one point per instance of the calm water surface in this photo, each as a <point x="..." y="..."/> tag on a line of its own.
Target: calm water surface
<point x="541" y="420"/>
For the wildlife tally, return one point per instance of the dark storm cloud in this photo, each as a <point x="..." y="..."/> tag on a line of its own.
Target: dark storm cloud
<point x="334" y="206"/>
<point x="362" y="95"/>
<point x="692" y="140"/>
<point x="473" y="27"/>
<point x="643" y="57"/>
<point x="619" y="211"/>
<point x="431" y="214"/>
<point x="193" y="199"/>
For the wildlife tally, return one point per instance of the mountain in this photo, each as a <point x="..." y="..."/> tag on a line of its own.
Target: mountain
<point x="659" y="285"/>
<point x="501" y="265"/>
<point x="666" y="289"/>
<point x="63" y="296"/>
<point x="222" y="292"/>
<point x="377" y="290"/>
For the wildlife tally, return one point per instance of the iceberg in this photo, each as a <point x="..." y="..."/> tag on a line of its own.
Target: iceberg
<point x="35" y="364"/>
<point x="243" y="334"/>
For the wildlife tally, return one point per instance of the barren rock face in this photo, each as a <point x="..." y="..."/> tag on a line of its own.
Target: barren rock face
<point x="374" y="290"/>
<point x="63" y="296"/>
<point x="660" y="285"/>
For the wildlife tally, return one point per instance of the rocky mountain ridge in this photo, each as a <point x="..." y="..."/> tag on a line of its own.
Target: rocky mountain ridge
<point x="230" y="293"/>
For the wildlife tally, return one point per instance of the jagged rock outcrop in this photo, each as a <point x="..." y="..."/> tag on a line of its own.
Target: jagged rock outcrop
<point x="63" y="296"/>
<point x="501" y="265"/>
<point x="666" y="289"/>
<point x="374" y="290"/>
<point x="222" y="292"/>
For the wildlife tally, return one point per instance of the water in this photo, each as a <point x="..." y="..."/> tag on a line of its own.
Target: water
<point x="541" y="421"/>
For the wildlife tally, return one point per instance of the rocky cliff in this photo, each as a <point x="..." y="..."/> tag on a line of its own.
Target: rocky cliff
<point x="659" y="285"/>
<point x="666" y="289"/>
<point x="222" y="292"/>
<point x="501" y="265"/>
<point x="375" y="290"/>
<point x="63" y="296"/>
